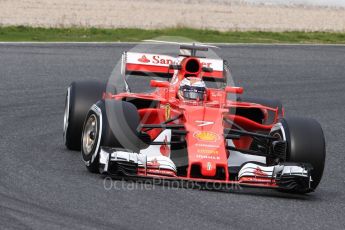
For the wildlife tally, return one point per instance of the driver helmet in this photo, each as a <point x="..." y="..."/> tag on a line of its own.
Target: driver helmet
<point x="192" y="88"/>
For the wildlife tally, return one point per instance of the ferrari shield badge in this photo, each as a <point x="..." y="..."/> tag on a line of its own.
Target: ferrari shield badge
<point x="167" y="112"/>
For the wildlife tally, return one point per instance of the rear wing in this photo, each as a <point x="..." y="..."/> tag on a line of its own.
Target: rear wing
<point x="158" y="65"/>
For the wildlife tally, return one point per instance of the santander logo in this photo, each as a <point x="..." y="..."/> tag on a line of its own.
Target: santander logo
<point x="144" y="59"/>
<point x="165" y="61"/>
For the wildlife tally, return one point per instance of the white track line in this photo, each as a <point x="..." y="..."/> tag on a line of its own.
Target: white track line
<point x="135" y="43"/>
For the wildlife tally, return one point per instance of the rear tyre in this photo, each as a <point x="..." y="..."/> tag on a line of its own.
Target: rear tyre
<point x="305" y="144"/>
<point x="266" y="102"/>
<point x="79" y="98"/>
<point x="256" y="114"/>
<point x="109" y="123"/>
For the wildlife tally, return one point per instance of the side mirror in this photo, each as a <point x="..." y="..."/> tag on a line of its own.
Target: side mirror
<point x="156" y="83"/>
<point x="236" y="90"/>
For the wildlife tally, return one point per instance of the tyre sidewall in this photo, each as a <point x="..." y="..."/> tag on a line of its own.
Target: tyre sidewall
<point x="91" y="160"/>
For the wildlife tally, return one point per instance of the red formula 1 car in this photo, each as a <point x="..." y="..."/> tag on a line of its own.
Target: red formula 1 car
<point x="180" y="118"/>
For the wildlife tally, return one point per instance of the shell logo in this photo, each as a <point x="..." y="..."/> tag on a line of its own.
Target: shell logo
<point x="206" y="136"/>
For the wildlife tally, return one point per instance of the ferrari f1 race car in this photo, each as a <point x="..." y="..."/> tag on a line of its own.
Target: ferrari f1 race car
<point x="180" y="118"/>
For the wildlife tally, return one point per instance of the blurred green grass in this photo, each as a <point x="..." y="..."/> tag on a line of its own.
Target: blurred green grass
<point x="22" y="33"/>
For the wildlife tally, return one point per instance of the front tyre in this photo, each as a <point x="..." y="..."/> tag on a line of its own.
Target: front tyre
<point x="91" y="138"/>
<point x="109" y="123"/>
<point x="305" y="144"/>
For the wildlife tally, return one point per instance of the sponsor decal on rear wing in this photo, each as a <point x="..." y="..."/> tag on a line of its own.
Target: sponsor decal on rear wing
<point x="149" y="64"/>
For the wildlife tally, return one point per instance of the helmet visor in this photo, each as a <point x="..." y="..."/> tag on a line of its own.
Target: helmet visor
<point x="193" y="93"/>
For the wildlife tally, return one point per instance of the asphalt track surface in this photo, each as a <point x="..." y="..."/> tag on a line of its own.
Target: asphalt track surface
<point x="44" y="186"/>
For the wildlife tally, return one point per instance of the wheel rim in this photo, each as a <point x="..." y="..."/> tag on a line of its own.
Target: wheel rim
<point x="66" y="114"/>
<point x="90" y="134"/>
<point x="278" y="131"/>
<point x="278" y="136"/>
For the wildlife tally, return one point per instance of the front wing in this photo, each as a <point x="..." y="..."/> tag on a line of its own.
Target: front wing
<point x="123" y="163"/>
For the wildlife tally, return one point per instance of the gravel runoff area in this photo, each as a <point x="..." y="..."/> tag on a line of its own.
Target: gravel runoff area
<point x="150" y="14"/>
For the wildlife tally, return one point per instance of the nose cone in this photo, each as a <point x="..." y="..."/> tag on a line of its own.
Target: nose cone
<point x="205" y="142"/>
